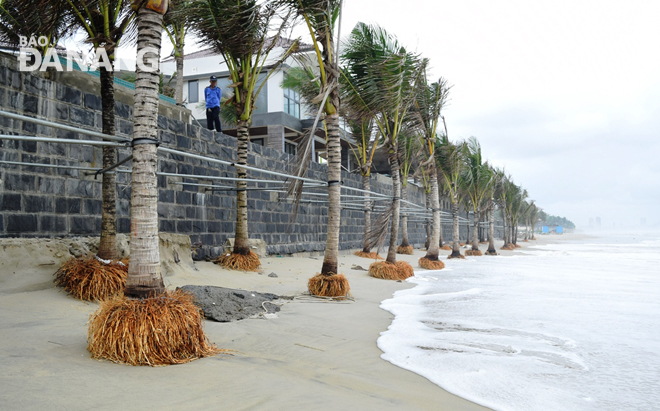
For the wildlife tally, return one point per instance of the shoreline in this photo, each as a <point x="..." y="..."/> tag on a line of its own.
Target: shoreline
<point x="314" y="355"/>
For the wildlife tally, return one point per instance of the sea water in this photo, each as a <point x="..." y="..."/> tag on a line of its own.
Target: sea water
<point x="566" y="326"/>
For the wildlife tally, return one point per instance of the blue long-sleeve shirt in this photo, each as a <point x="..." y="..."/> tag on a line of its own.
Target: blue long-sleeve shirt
<point x="212" y="96"/>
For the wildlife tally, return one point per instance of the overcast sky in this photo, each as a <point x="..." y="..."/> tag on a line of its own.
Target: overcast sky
<point x="565" y="95"/>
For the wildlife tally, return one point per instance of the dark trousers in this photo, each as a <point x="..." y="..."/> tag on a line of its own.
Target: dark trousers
<point x="213" y="118"/>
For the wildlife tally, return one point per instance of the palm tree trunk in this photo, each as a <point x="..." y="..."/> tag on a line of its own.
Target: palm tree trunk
<point x="475" y="231"/>
<point x="491" y="231"/>
<point x="144" y="276"/>
<point x="455" y="250"/>
<point x="178" y="92"/>
<point x="396" y="206"/>
<point x="368" y="205"/>
<point x="434" y="249"/>
<point x="404" y="216"/>
<point x="331" y="258"/>
<point x="108" y="241"/>
<point x="505" y="228"/>
<point x="428" y="222"/>
<point x="241" y="245"/>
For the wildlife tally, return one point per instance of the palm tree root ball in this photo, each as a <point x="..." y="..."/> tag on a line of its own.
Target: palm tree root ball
<point x="509" y="247"/>
<point x="431" y="264"/>
<point x="161" y="330"/>
<point x="334" y="285"/>
<point x="391" y="271"/>
<point x="473" y="253"/>
<point x="459" y="256"/>
<point x="408" y="249"/>
<point x="373" y="255"/>
<point x="91" y="279"/>
<point x="446" y="247"/>
<point x="241" y="262"/>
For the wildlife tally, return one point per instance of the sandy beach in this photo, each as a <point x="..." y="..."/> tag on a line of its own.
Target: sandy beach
<point x="315" y="354"/>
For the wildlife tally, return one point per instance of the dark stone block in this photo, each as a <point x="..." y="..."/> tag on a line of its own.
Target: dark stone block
<point x="183" y="197"/>
<point x="162" y="122"/>
<point x="206" y="134"/>
<point x="93" y="102"/>
<point x="10" y="202"/>
<point x="82" y="225"/>
<point x="19" y="182"/>
<point x="183" y="226"/>
<point x="166" y="196"/>
<point x="38" y="204"/>
<point x="166" y="226"/>
<point x="167" y="137"/>
<point x="183" y="142"/>
<point x="123" y="110"/>
<point x="29" y="146"/>
<point x="57" y="149"/>
<point x="199" y="226"/>
<point x="30" y="104"/>
<point x="21" y="223"/>
<point x="51" y="223"/>
<point x="167" y="166"/>
<point x="80" y="188"/>
<point x="190" y="213"/>
<point x="92" y="207"/>
<point x="177" y="126"/>
<point x="214" y="226"/>
<point x="125" y="127"/>
<point x="228" y="227"/>
<point x="68" y="94"/>
<point x="81" y="116"/>
<point x="124" y="225"/>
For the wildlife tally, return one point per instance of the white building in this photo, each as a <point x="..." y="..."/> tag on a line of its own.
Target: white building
<point x="279" y="118"/>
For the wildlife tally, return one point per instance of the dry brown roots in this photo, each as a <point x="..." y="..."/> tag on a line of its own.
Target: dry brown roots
<point x="389" y="271"/>
<point x="405" y="250"/>
<point x="87" y="278"/>
<point x="162" y="330"/>
<point x="239" y="262"/>
<point x="431" y="264"/>
<point x="446" y="247"/>
<point x="335" y="285"/>
<point x="473" y="253"/>
<point x="460" y="256"/>
<point x="373" y="255"/>
<point x="508" y="247"/>
<point x="517" y="246"/>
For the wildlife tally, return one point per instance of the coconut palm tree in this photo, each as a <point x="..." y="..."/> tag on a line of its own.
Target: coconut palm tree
<point x="450" y="162"/>
<point x="429" y="102"/>
<point x="175" y="24"/>
<point x="497" y="175"/>
<point x="28" y="18"/>
<point x="105" y="23"/>
<point x="239" y="31"/>
<point x="478" y="180"/>
<point x="381" y="77"/>
<point x="320" y="18"/>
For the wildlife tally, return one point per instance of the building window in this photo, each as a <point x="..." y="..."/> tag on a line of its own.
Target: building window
<point x="193" y="91"/>
<point x="292" y="102"/>
<point x="290" y="148"/>
<point x="258" y="141"/>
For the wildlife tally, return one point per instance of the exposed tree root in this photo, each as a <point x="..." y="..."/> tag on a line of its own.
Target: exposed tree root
<point x="385" y="270"/>
<point x="239" y="262"/>
<point x="491" y="252"/>
<point x="459" y="256"/>
<point x="162" y="330"/>
<point x="90" y="279"/>
<point x="431" y="264"/>
<point x="509" y="247"/>
<point x="405" y="250"/>
<point x="373" y="255"/>
<point x="446" y="247"/>
<point x="473" y="253"/>
<point x="405" y="269"/>
<point x="335" y="285"/>
<point x="517" y="246"/>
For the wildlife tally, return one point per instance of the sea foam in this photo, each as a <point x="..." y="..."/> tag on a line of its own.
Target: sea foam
<point x="567" y="326"/>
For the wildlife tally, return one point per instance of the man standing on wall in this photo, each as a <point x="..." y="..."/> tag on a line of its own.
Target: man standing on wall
<point x="212" y="94"/>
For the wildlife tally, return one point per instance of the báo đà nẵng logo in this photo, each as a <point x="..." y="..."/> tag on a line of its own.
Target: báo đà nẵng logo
<point x="31" y="59"/>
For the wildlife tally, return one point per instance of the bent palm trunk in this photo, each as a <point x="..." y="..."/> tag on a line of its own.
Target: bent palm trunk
<point x="404" y="217"/>
<point x="368" y="205"/>
<point x="396" y="206"/>
<point x="144" y="276"/>
<point x="178" y="92"/>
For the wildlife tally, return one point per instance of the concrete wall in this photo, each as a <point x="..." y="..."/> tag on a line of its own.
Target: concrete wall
<point x="45" y="202"/>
